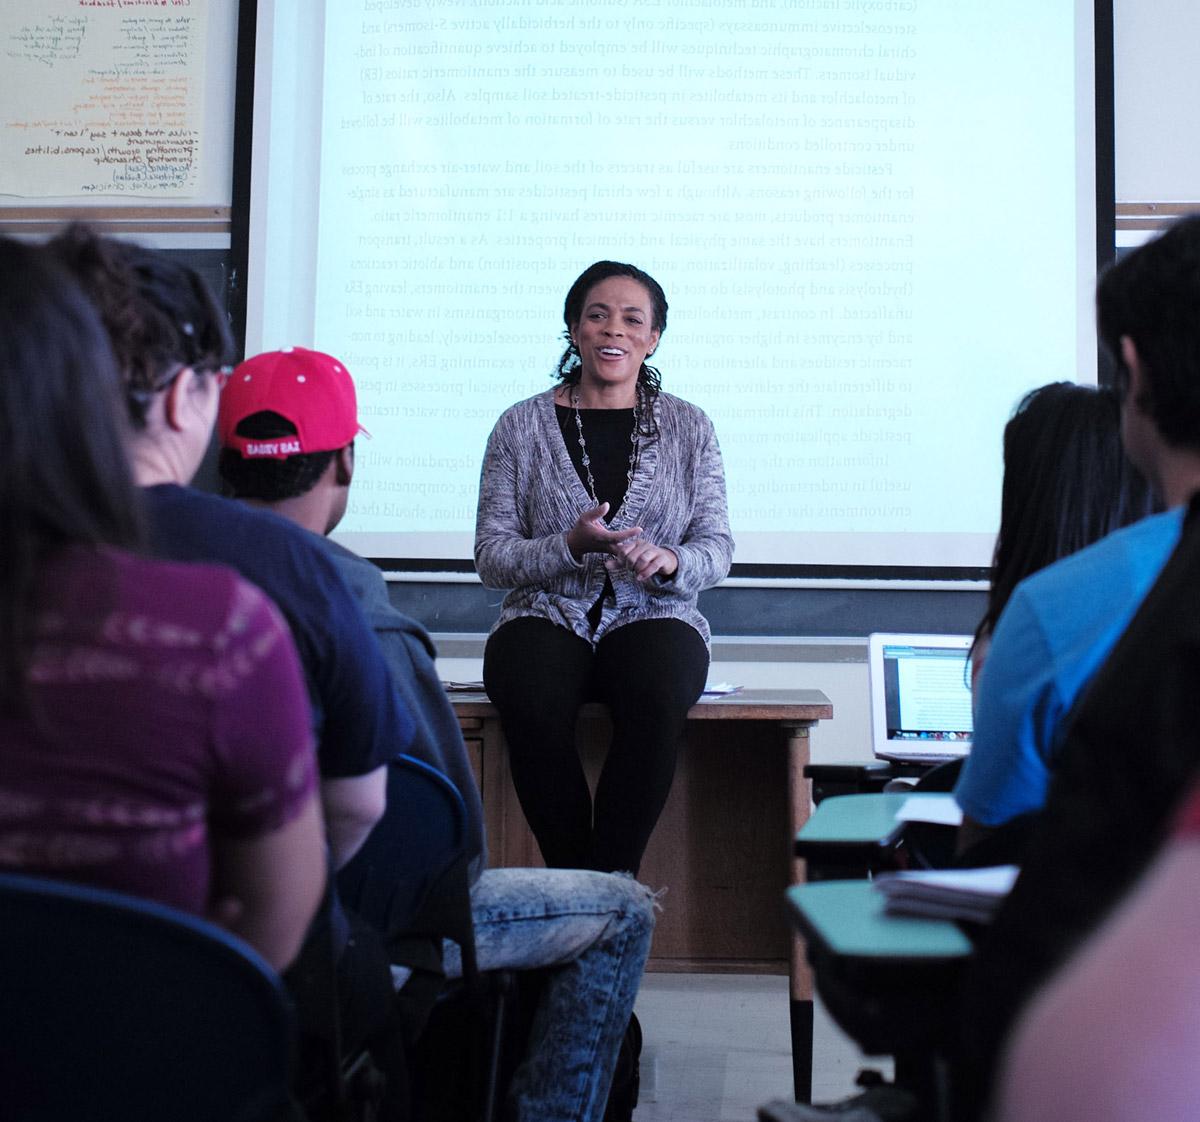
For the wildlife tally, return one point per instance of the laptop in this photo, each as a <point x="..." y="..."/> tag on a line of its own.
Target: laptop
<point x="920" y="696"/>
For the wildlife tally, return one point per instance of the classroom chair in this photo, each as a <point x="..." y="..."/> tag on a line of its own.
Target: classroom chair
<point x="888" y="981"/>
<point x="413" y="881"/>
<point x="116" y="1007"/>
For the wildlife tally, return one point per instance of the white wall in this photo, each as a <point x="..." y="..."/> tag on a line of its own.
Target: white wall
<point x="1157" y="92"/>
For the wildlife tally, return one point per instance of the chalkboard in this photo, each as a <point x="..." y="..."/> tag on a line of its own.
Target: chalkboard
<point x="732" y="611"/>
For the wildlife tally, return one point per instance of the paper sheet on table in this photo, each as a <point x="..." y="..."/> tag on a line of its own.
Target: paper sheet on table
<point x="963" y="894"/>
<point x="720" y="689"/>
<point x="940" y="809"/>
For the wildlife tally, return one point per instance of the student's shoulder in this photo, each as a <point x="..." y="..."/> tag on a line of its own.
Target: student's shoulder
<point x="369" y="587"/>
<point x="285" y="560"/>
<point x="186" y="604"/>
<point x="245" y="530"/>
<point x="172" y="500"/>
<point x="362" y="576"/>
<point x="1126" y="555"/>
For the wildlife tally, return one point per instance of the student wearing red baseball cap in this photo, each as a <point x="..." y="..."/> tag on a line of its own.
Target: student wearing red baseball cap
<point x="288" y="421"/>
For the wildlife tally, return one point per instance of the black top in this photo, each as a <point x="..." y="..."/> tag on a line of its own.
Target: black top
<point x="607" y="433"/>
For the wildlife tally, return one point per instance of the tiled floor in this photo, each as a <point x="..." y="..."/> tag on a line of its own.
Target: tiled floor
<point x="717" y="1046"/>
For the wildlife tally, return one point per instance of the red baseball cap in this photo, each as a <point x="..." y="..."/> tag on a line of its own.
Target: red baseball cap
<point x="312" y="390"/>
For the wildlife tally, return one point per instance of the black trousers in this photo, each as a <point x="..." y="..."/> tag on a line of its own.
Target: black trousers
<point x="538" y="675"/>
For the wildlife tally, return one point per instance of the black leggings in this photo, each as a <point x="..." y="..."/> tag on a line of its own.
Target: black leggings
<point x="538" y="675"/>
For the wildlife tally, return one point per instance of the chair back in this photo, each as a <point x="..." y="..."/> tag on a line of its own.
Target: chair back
<point x="116" y="1007"/>
<point x="410" y="877"/>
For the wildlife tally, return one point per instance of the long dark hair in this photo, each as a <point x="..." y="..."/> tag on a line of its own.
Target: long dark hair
<point x="1067" y="484"/>
<point x="159" y="313"/>
<point x="64" y="472"/>
<point x="570" y="366"/>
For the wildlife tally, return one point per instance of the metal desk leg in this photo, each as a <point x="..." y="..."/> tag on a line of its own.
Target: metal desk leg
<point x="802" y="1049"/>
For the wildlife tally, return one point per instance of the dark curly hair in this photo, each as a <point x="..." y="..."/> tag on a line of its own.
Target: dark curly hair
<point x="159" y="313"/>
<point x="570" y="366"/>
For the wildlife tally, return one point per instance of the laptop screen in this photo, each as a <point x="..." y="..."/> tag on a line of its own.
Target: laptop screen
<point x="921" y="695"/>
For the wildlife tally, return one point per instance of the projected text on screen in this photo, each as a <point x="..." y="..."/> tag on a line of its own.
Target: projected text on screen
<point x="873" y="235"/>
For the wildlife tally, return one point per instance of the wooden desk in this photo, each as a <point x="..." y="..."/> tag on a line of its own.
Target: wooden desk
<point x="722" y="848"/>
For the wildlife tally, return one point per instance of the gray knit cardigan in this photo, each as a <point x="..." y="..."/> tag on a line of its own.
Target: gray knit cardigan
<point x="530" y="496"/>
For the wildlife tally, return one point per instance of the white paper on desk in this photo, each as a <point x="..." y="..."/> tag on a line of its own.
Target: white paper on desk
<point x="941" y="809"/>
<point x="995" y="880"/>
<point x="463" y="687"/>
<point x="967" y="894"/>
<point x="720" y="689"/>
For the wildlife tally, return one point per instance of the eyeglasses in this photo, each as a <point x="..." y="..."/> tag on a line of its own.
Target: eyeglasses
<point x="220" y="375"/>
<point x="166" y="380"/>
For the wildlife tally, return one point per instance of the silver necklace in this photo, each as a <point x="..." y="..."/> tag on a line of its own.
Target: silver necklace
<point x="633" y="438"/>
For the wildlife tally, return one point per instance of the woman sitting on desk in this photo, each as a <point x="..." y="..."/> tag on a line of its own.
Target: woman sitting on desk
<point x="602" y="509"/>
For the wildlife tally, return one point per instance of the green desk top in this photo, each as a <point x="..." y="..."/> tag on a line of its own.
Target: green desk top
<point x="846" y="917"/>
<point x="855" y="820"/>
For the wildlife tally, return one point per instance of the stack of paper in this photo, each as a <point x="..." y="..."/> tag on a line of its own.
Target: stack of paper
<point x="939" y="809"/>
<point x="970" y="895"/>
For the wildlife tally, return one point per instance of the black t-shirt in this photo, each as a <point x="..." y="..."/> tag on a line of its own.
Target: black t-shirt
<point x="360" y="720"/>
<point x="608" y="434"/>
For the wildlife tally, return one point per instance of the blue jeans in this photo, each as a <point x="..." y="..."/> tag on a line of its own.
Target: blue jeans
<point x="595" y="929"/>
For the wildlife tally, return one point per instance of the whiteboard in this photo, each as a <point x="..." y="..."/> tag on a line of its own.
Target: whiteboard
<point x="121" y="105"/>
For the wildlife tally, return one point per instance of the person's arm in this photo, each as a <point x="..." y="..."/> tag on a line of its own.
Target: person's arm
<point x="351" y="806"/>
<point x="702" y="556"/>
<point x="266" y="889"/>
<point x="511" y="553"/>
<point x="1115" y="1036"/>
<point x="266" y="841"/>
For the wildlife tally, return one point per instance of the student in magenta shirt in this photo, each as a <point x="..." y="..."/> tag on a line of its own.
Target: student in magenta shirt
<point x="154" y="735"/>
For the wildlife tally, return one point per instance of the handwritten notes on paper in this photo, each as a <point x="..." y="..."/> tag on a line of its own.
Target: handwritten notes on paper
<point x="102" y="97"/>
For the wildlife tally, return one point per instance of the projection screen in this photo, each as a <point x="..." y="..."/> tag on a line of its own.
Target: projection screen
<point x="874" y="220"/>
